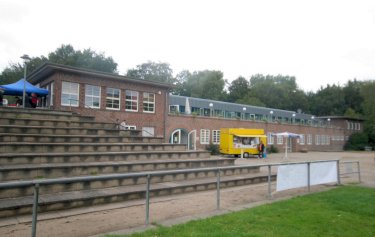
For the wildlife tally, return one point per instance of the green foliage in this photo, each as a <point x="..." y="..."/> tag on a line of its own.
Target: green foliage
<point x="87" y="58"/>
<point x="280" y="92"/>
<point x="272" y="149"/>
<point x="65" y="55"/>
<point x="357" y="142"/>
<point x="238" y="89"/>
<point x="202" y="84"/>
<point x="213" y="149"/>
<point x="345" y="211"/>
<point x="152" y="71"/>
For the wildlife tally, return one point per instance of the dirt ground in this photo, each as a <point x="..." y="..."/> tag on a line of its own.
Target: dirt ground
<point x="129" y="217"/>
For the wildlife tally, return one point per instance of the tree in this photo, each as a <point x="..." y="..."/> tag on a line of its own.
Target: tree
<point x="367" y="92"/>
<point x="202" y="84"/>
<point x="65" y="55"/>
<point x="238" y="89"/>
<point x="328" y="101"/>
<point x="280" y="92"/>
<point x="152" y="71"/>
<point x="87" y="58"/>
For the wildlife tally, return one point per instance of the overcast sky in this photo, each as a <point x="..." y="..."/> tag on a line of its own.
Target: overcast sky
<point x="317" y="41"/>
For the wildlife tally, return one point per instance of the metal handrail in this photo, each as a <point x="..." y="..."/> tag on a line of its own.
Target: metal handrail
<point x="148" y="175"/>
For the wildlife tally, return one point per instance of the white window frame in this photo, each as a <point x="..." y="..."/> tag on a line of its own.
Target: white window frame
<point x="309" y="139"/>
<point x="280" y="140"/>
<point x="270" y="138"/>
<point x="148" y="105"/>
<point x="90" y="94"/>
<point x="51" y="93"/>
<point x="216" y="136"/>
<point x="112" y="98"/>
<point x="317" y="139"/>
<point x="302" y="139"/>
<point x="131" y="100"/>
<point x="148" y="131"/>
<point x="71" y="90"/>
<point x="205" y="136"/>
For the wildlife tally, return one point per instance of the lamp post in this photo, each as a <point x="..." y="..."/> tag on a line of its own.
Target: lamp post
<point x="26" y="59"/>
<point x="271" y="113"/>
<point x="329" y="122"/>
<point x="244" y="113"/>
<point x="294" y="118"/>
<point x="211" y="105"/>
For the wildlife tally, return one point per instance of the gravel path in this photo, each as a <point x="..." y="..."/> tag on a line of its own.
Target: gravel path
<point x="129" y="217"/>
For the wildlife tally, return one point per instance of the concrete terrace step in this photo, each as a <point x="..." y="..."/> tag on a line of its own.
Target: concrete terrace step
<point x="28" y="113"/>
<point x="10" y="147"/>
<point x="46" y="170"/>
<point x="50" y="138"/>
<point x="72" y="157"/>
<point x="58" y="201"/>
<point x="56" y="130"/>
<point x="55" y="123"/>
<point x="112" y="181"/>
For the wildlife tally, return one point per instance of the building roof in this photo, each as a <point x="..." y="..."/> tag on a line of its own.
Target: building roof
<point x="341" y="118"/>
<point x="233" y="107"/>
<point x="48" y="69"/>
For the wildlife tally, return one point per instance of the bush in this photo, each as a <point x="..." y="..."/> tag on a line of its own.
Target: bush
<point x="272" y="149"/>
<point x="357" y="142"/>
<point x="213" y="149"/>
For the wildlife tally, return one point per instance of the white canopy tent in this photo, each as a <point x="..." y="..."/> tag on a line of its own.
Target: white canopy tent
<point x="287" y="135"/>
<point x="187" y="106"/>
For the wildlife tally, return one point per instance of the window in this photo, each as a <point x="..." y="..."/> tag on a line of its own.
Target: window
<point x="270" y="138"/>
<point x="148" y="102"/>
<point x="216" y="136"/>
<point x="131" y="101"/>
<point x="280" y="140"/>
<point x="148" y="131"/>
<point x="173" y="109"/>
<point x="113" y="99"/>
<point x="205" y="136"/>
<point x="309" y="139"/>
<point x="302" y="139"/>
<point x="92" y="96"/>
<point x="70" y="94"/>
<point x="317" y="139"/>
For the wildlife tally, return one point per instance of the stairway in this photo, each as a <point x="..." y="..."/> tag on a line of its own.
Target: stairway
<point x="43" y="145"/>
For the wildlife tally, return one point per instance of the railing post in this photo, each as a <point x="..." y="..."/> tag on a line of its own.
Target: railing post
<point x="338" y="173"/>
<point x="359" y="172"/>
<point x="218" y="189"/>
<point x="35" y="210"/>
<point x="308" y="176"/>
<point x="269" y="182"/>
<point x="148" y="199"/>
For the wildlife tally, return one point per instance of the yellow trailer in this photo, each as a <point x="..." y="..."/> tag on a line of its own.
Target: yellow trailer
<point x="241" y="141"/>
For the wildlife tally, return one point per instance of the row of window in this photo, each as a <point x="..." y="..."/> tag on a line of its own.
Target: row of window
<point x="319" y="139"/>
<point x="70" y="97"/>
<point x="353" y="126"/>
<point x="173" y="109"/>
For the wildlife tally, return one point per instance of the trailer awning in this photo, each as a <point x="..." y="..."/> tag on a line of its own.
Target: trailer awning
<point x="252" y="135"/>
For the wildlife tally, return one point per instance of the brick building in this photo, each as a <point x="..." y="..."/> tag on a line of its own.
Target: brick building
<point x="192" y="121"/>
<point x="108" y="97"/>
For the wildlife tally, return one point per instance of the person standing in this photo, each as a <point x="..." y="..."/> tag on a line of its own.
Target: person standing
<point x="33" y="100"/>
<point x="260" y="149"/>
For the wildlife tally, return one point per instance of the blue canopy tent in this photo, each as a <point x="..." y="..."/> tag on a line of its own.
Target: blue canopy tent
<point x="17" y="89"/>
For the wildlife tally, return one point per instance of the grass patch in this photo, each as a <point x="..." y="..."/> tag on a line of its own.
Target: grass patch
<point x="347" y="211"/>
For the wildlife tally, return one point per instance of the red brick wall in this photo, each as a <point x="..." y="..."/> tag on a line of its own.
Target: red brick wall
<point x="140" y="118"/>
<point x="190" y="123"/>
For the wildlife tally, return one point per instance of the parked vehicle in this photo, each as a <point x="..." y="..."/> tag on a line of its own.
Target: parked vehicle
<point x="241" y="142"/>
